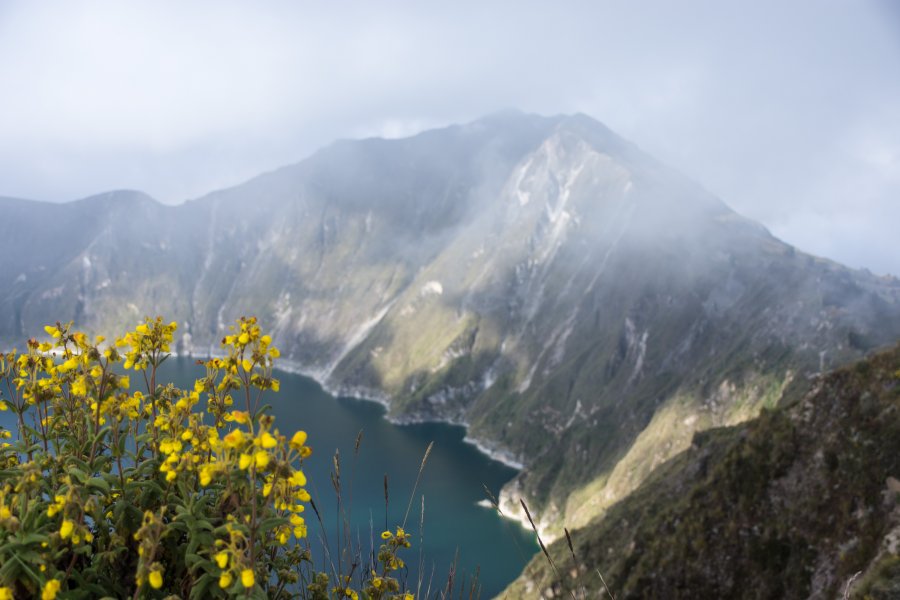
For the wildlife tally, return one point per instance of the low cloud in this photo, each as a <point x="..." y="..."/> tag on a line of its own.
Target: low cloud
<point x="786" y="110"/>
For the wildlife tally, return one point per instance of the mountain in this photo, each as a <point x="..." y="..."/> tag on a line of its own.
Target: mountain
<point x="584" y="309"/>
<point x="793" y="504"/>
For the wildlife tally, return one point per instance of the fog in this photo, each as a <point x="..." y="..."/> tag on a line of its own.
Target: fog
<point x="787" y="111"/>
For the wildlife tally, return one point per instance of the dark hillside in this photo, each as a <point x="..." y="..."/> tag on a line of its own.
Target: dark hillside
<point x="789" y="505"/>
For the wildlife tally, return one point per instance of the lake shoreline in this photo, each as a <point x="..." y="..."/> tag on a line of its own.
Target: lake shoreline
<point x="508" y="508"/>
<point x="485" y="447"/>
<point x="370" y="395"/>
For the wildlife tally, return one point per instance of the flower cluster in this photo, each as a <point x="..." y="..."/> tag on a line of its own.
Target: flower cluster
<point x="159" y="491"/>
<point x="130" y="492"/>
<point x="383" y="583"/>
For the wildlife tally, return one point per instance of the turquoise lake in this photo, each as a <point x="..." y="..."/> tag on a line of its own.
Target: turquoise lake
<point x="455" y="526"/>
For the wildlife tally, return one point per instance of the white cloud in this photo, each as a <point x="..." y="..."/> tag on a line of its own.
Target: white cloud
<point x="786" y="110"/>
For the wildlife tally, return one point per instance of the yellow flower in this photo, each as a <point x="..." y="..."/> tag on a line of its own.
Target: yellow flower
<point x="49" y="591"/>
<point x="169" y="446"/>
<point x="300" y="530"/>
<point x="156" y="579"/>
<point x="386" y="535"/>
<point x="206" y="473"/>
<point x="222" y="559"/>
<point x="79" y="388"/>
<point x="262" y="459"/>
<point x="6" y="593"/>
<point x="68" y="365"/>
<point x="59" y="502"/>
<point x="298" y="440"/>
<point x="267" y="440"/>
<point x="225" y="580"/>
<point x="247" y="578"/>
<point x="298" y="478"/>
<point x="244" y="461"/>
<point x="247" y="365"/>
<point x="65" y="530"/>
<point x="234" y="438"/>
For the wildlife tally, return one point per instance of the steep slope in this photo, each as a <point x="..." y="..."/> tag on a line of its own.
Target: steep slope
<point x="102" y="261"/>
<point x="582" y="307"/>
<point x="328" y="246"/>
<point x="792" y="504"/>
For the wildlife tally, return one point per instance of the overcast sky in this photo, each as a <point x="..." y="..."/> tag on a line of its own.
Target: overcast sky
<point x="788" y="110"/>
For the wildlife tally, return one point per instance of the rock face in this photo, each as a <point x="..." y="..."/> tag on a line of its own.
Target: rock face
<point x="796" y="503"/>
<point x="582" y="307"/>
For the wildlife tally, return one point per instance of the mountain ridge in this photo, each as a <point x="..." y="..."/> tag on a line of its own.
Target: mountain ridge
<point x="581" y="307"/>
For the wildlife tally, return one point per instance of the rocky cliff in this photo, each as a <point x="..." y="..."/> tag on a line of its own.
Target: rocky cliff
<point x="582" y="307"/>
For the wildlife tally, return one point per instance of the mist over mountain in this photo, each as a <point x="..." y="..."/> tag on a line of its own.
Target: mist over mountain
<point x="581" y="307"/>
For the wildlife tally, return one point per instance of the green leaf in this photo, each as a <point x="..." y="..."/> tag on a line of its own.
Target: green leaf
<point x="199" y="591"/>
<point x="99" y="484"/>
<point x="272" y="523"/>
<point x="33" y="538"/>
<point x="191" y="559"/>
<point x="78" y="475"/>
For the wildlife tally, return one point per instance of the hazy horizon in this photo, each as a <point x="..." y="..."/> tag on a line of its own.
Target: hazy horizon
<point x="789" y="114"/>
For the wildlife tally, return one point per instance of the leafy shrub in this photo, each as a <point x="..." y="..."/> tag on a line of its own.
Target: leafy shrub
<point x="110" y="492"/>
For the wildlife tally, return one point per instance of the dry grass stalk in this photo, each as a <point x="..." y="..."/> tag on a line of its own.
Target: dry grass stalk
<point x="575" y="563"/>
<point x="416" y="485"/>
<point x="543" y="547"/>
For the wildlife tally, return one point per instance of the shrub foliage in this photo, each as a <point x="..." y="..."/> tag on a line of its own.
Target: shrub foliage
<point x="118" y="485"/>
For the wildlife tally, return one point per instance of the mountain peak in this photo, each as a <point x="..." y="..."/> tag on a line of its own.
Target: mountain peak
<point x="117" y="200"/>
<point x="121" y="196"/>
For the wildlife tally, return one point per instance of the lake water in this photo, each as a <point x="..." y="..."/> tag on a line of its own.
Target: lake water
<point x="452" y="482"/>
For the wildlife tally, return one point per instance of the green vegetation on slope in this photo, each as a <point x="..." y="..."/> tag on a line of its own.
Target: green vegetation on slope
<point x="789" y="505"/>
